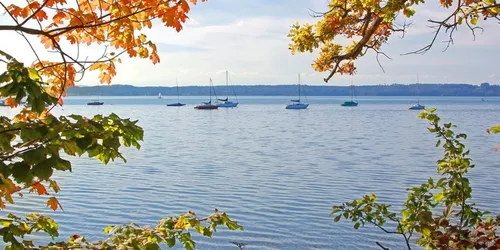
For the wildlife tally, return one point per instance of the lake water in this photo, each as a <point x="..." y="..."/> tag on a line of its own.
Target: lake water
<point x="276" y="171"/>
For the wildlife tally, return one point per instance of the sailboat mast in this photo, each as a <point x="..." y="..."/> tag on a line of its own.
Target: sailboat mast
<point x="227" y="86"/>
<point x="177" y="84"/>
<point x="418" y="90"/>
<point x="352" y="91"/>
<point x="210" y="90"/>
<point x="299" y="86"/>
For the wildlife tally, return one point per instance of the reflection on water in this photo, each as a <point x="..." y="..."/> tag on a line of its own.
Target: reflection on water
<point x="276" y="171"/>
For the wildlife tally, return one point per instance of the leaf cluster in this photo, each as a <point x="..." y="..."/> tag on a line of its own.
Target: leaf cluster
<point x="368" y="25"/>
<point x="439" y="211"/>
<point x="168" y="232"/>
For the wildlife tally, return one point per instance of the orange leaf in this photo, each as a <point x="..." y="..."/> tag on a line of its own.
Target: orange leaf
<point x="154" y="58"/>
<point x="47" y="42"/>
<point x="41" y="15"/>
<point x="58" y="17"/>
<point x="8" y="197"/>
<point x="15" y="10"/>
<point x="53" y="203"/>
<point x="11" y="102"/>
<point x="40" y="189"/>
<point x="26" y="12"/>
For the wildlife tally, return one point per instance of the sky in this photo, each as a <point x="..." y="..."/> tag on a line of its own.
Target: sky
<point x="249" y="40"/>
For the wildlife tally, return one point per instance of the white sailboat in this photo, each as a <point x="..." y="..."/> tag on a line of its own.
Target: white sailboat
<point x="296" y="104"/>
<point x="417" y="106"/>
<point x="159" y="95"/>
<point x="225" y="102"/>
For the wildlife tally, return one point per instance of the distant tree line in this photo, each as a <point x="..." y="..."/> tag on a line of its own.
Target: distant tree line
<point x="485" y="89"/>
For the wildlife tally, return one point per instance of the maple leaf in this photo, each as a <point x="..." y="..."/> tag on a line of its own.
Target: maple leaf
<point x="105" y="77"/>
<point x="59" y="17"/>
<point x="11" y="102"/>
<point x="15" y="11"/>
<point x="47" y="42"/>
<point x="40" y="189"/>
<point x="53" y="203"/>
<point x="154" y="58"/>
<point x="41" y="15"/>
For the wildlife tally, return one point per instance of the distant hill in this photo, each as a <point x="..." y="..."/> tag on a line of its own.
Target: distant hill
<point x="485" y="89"/>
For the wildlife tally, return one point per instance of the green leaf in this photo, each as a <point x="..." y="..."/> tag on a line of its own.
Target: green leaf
<point x="43" y="171"/>
<point x="356" y="225"/>
<point x="35" y="156"/>
<point x="29" y="134"/>
<point x="21" y="172"/>
<point x="170" y="241"/>
<point x="69" y="147"/>
<point x="337" y="218"/>
<point x="62" y="164"/>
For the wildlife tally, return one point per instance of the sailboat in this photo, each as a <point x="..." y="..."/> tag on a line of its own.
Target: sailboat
<point x="95" y="102"/>
<point x="225" y="102"/>
<point x="159" y="95"/>
<point x="296" y="104"/>
<point x="350" y="103"/>
<point x="208" y="105"/>
<point x="178" y="104"/>
<point x="417" y="106"/>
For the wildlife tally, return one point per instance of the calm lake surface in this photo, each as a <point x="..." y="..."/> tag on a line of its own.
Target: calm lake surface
<point x="276" y="171"/>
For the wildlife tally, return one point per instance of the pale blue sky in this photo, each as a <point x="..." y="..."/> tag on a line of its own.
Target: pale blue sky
<point x="248" y="38"/>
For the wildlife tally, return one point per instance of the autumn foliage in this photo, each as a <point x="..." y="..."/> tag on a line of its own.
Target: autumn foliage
<point x="34" y="142"/>
<point x="368" y="24"/>
<point x="115" y="25"/>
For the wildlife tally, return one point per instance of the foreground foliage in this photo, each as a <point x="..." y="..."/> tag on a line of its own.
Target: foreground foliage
<point x="34" y="142"/>
<point x="168" y="231"/>
<point x="438" y="213"/>
<point x="368" y="25"/>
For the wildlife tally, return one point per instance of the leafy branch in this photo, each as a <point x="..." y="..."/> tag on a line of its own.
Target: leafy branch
<point x="441" y="211"/>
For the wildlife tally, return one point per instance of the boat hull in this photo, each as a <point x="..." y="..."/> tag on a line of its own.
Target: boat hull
<point x="349" y="104"/>
<point x="228" y="105"/>
<point x="175" y="104"/>
<point x="297" y="106"/>
<point x="207" y="107"/>
<point x="417" y="107"/>
<point x="95" y="103"/>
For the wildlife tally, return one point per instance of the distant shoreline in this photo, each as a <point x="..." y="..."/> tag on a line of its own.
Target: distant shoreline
<point x="483" y="90"/>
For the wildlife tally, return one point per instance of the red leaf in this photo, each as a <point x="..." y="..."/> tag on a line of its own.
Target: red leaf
<point x="40" y="189"/>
